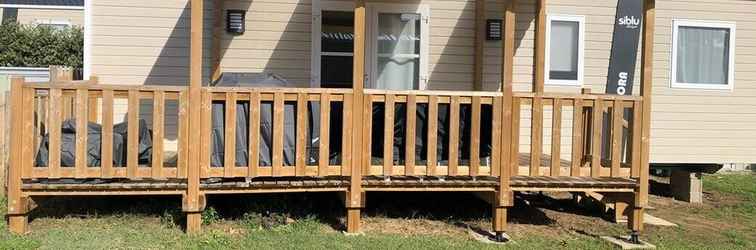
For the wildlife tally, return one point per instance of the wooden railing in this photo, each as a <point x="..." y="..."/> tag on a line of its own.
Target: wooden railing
<point x="429" y="104"/>
<point x="297" y="104"/>
<point x="597" y="147"/>
<point x="46" y="107"/>
<point x="428" y="133"/>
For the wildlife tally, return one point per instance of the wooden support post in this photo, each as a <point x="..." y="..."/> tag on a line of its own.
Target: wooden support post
<point x="192" y="204"/>
<point x="505" y="196"/>
<point x="17" y="202"/>
<point x="355" y="201"/>
<point x="635" y="221"/>
<point x="540" y="46"/>
<point x="480" y="39"/>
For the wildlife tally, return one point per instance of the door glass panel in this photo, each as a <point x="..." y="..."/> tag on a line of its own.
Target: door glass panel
<point x="337" y="45"/>
<point x="398" y="50"/>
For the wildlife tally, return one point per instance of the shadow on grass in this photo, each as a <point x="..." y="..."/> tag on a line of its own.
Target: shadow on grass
<point x="455" y="208"/>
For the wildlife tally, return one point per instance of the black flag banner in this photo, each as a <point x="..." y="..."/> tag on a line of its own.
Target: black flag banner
<point x="627" y="27"/>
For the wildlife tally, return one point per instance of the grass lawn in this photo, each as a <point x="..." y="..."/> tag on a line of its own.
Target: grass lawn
<point x="726" y="220"/>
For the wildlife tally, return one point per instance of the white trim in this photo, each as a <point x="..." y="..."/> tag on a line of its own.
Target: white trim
<point x="581" y="49"/>
<point x="87" y="39"/>
<point x="372" y="32"/>
<point x="317" y="10"/>
<point x="49" y="7"/>
<point x="676" y="23"/>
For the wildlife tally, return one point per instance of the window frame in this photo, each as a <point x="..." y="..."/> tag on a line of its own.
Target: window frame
<point x="676" y="23"/>
<point x="53" y="22"/>
<point x="581" y="50"/>
<point x="373" y="9"/>
<point x="318" y="6"/>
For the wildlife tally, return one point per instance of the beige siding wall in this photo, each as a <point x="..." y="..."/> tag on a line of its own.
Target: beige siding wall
<point x="146" y="42"/>
<point x="32" y="16"/>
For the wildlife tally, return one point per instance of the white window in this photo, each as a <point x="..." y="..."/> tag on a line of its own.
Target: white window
<point x="398" y="46"/>
<point x="703" y="55"/>
<point x="564" y="49"/>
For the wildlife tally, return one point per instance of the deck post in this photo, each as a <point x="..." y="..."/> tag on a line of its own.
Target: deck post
<point x="635" y="222"/>
<point x="505" y="196"/>
<point x="18" y="204"/>
<point x="355" y="195"/>
<point x="540" y="47"/>
<point x="193" y="201"/>
<point x="480" y="39"/>
<point x="218" y="6"/>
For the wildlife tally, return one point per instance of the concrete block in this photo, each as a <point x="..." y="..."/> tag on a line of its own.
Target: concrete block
<point x="624" y="243"/>
<point x="686" y="186"/>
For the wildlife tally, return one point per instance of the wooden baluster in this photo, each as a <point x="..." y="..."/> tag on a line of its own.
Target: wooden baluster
<point x="132" y="140"/>
<point x="28" y="132"/>
<point x="346" y="140"/>
<point x="496" y="143"/>
<point x="536" y="141"/>
<point x="577" y="137"/>
<point x="183" y="147"/>
<point x="325" y="129"/>
<point x="388" y="136"/>
<point x="454" y="136"/>
<point x="206" y="111"/>
<point x="54" y="128"/>
<point x="367" y="125"/>
<point x="82" y="95"/>
<point x="617" y="111"/>
<point x="278" y="133"/>
<point x="107" y="134"/>
<point x="158" y="125"/>
<point x="432" y="135"/>
<point x="301" y="162"/>
<point x="254" y="134"/>
<point x="636" y="135"/>
<point x="556" y="138"/>
<point x="229" y="161"/>
<point x="409" y="150"/>
<point x="514" y="158"/>
<point x="475" y="137"/>
<point x="598" y="115"/>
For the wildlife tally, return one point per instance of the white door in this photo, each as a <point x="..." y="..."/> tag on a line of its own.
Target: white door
<point x="398" y="46"/>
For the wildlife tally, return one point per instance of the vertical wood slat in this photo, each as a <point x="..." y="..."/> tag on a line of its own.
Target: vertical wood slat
<point x="346" y="136"/>
<point x="158" y="125"/>
<point x="183" y="118"/>
<point x="205" y="129"/>
<point x="301" y="135"/>
<point x="388" y="135"/>
<point x="432" y="135"/>
<point x="132" y="140"/>
<point x="254" y="134"/>
<point x="367" y="160"/>
<point x="496" y="143"/>
<point x="577" y="137"/>
<point x="514" y="157"/>
<point x="475" y="137"/>
<point x="325" y="128"/>
<point x="617" y="112"/>
<point x="278" y="122"/>
<point x="54" y="127"/>
<point x="27" y="140"/>
<point x="409" y="156"/>
<point x="107" y="134"/>
<point x="556" y="138"/>
<point x="536" y="141"/>
<point x="598" y="115"/>
<point x="229" y="160"/>
<point x="454" y="136"/>
<point x="82" y="95"/>
<point x="636" y="135"/>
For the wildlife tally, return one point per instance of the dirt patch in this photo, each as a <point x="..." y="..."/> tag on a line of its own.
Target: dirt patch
<point x="411" y="227"/>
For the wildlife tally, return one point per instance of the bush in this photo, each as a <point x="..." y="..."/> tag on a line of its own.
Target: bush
<point x="40" y="46"/>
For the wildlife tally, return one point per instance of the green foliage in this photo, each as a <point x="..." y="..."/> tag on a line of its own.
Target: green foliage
<point x="210" y="216"/>
<point x="40" y="46"/>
